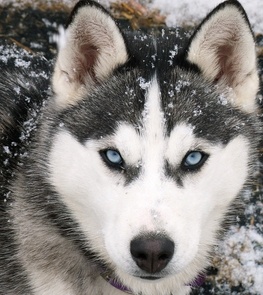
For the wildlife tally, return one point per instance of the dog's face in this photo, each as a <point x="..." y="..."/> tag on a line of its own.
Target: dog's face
<point x="150" y="176"/>
<point x="148" y="162"/>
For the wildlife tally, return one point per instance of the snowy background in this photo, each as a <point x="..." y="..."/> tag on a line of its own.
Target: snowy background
<point x="177" y="12"/>
<point x="238" y="263"/>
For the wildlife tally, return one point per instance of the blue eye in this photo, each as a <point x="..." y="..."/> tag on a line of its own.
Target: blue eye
<point x="194" y="160"/>
<point x="112" y="158"/>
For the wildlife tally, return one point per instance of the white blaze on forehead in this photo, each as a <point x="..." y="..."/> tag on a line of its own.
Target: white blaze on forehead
<point x="153" y="130"/>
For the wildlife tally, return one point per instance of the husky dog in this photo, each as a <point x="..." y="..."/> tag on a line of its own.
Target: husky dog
<point x="121" y="179"/>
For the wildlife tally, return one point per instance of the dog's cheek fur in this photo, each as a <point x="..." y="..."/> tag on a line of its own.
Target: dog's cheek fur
<point x="74" y="173"/>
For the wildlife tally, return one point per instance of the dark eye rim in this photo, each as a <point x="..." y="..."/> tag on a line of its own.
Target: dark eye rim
<point x="119" y="166"/>
<point x="196" y="167"/>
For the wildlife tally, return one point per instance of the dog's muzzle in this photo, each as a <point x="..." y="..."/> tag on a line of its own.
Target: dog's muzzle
<point x="151" y="253"/>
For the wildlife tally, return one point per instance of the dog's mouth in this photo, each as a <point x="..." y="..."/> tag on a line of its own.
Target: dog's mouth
<point x="150" y="278"/>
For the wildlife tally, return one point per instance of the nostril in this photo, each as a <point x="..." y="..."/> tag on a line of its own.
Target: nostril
<point x="152" y="254"/>
<point x="163" y="257"/>
<point x="141" y="256"/>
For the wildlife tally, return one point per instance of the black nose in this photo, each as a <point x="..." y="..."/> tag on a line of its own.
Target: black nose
<point x="152" y="254"/>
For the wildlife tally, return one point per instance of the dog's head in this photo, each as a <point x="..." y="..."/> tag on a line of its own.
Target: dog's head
<point x="153" y="140"/>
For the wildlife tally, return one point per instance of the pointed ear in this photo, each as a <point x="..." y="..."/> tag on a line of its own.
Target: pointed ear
<point x="223" y="48"/>
<point x="90" y="48"/>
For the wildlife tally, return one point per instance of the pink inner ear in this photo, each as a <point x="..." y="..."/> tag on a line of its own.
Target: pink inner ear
<point x="84" y="62"/>
<point x="226" y="65"/>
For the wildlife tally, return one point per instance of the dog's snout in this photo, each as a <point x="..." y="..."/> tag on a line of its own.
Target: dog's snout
<point x="152" y="254"/>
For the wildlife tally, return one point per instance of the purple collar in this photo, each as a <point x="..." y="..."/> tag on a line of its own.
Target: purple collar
<point x="116" y="284"/>
<point x="119" y="286"/>
<point x="197" y="282"/>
